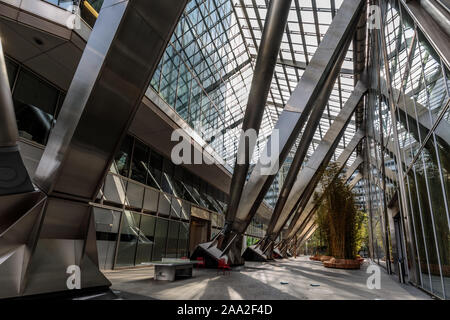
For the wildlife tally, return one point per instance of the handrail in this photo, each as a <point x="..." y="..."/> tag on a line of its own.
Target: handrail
<point x="91" y="9"/>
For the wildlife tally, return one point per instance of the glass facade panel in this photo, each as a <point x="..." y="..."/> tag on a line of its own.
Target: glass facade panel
<point x="420" y="236"/>
<point x="107" y="227"/>
<point x="146" y="240"/>
<point x="172" y="239"/>
<point x="159" y="249"/>
<point x="35" y="105"/>
<point x="183" y="240"/>
<point x="123" y="157"/>
<point x="164" y="204"/>
<point x="129" y="234"/>
<point x="139" y="162"/>
<point x="135" y="195"/>
<point x="418" y="82"/>
<point x="151" y="200"/>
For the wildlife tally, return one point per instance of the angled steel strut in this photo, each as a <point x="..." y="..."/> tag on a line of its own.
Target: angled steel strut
<point x="119" y="60"/>
<point x="14" y="177"/>
<point x="262" y="79"/>
<point x="298" y="109"/>
<point x="307" y="137"/>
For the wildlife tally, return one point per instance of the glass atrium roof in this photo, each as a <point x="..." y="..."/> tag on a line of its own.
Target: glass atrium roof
<point x="206" y="71"/>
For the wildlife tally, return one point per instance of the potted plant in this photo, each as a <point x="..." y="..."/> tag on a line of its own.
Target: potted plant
<point x="339" y="221"/>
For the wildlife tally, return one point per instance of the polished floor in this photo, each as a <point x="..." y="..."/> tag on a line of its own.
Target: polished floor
<point x="291" y="278"/>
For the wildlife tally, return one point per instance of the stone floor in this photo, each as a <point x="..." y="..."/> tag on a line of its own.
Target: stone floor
<point x="304" y="279"/>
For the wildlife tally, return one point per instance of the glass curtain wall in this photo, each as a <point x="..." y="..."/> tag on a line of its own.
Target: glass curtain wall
<point x="137" y="162"/>
<point x="420" y="89"/>
<point x="205" y="74"/>
<point x="36" y="102"/>
<point x="144" y="238"/>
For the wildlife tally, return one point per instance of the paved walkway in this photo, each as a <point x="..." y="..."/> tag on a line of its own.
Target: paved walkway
<point x="305" y="280"/>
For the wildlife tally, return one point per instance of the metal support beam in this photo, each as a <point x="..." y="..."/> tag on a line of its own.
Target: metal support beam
<point x="310" y="211"/>
<point x="275" y="24"/>
<point x="307" y="206"/>
<point x="431" y="29"/>
<point x="121" y="55"/>
<point x="389" y="173"/>
<point x="305" y="142"/>
<point x="14" y="177"/>
<point x="355" y="181"/>
<point x="355" y="165"/>
<point x="302" y="65"/>
<point x="298" y="109"/>
<point x="309" y="176"/>
<point x="381" y="44"/>
<point x="409" y="107"/>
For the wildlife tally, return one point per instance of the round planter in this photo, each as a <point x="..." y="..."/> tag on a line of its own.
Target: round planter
<point x="342" y="263"/>
<point x="315" y="257"/>
<point x="325" y="258"/>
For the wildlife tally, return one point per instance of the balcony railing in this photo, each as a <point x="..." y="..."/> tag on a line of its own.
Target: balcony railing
<point x="87" y="9"/>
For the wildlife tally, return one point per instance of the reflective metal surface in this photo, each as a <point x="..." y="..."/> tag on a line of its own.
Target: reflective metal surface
<point x="120" y="57"/>
<point x="262" y="78"/>
<point x="9" y="134"/>
<point x="355" y="180"/>
<point x="14" y="177"/>
<point x="307" y="137"/>
<point x="350" y="171"/>
<point x="300" y="104"/>
<point x="319" y="160"/>
<point x="307" y="206"/>
<point x="431" y="29"/>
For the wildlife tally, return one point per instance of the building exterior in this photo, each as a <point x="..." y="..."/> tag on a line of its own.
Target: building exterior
<point x="97" y="143"/>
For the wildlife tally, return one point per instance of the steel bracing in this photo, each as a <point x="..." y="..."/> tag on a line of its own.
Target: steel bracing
<point x="275" y="24"/>
<point x="299" y="107"/>
<point x="306" y="180"/>
<point x="107" y="89"/>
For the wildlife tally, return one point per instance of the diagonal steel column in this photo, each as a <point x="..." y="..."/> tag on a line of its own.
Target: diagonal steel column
<point x="307" y="235"/>
<point x="412" y="109"/>
<point x="275" y="24"/>
<point x="305" y="142"/>
<point x="389" y="173"/>
<point x="307" y="205"/>
<point x="352" y="183"/>
<point x="115" y="69"/>
<point x="352" y="169"/>
<point x="14" y="177"/>
<point x="307" y="227"/>
<point x="311" y="209"/>
<point x="121" y="55"/>
<point x="307" y="179"/>
<point x="298" y="109"/>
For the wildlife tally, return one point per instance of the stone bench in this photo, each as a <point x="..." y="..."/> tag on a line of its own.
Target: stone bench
<point x="168" y="269"/>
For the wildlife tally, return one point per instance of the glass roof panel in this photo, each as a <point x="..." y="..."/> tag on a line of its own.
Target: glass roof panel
<point x="206" y="71"/>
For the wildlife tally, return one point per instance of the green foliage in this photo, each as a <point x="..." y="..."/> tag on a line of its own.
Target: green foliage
<point x="339" y="223"/>
<point x="251" y="241"/>
<point x="362" y="231"/>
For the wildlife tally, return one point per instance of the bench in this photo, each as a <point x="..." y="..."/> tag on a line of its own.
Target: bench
<point x="168" y="269"/>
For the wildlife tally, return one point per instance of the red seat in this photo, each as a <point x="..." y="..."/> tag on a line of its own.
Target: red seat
<point x="184" y="258"/>
<point x="223" y="266"/>
<point x="200" y="262"/>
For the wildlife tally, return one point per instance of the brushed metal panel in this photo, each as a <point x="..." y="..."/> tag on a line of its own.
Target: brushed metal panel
<point x="299" y="105"/>
<point x="120" y="58"/>
<point x="65" y="219"/>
